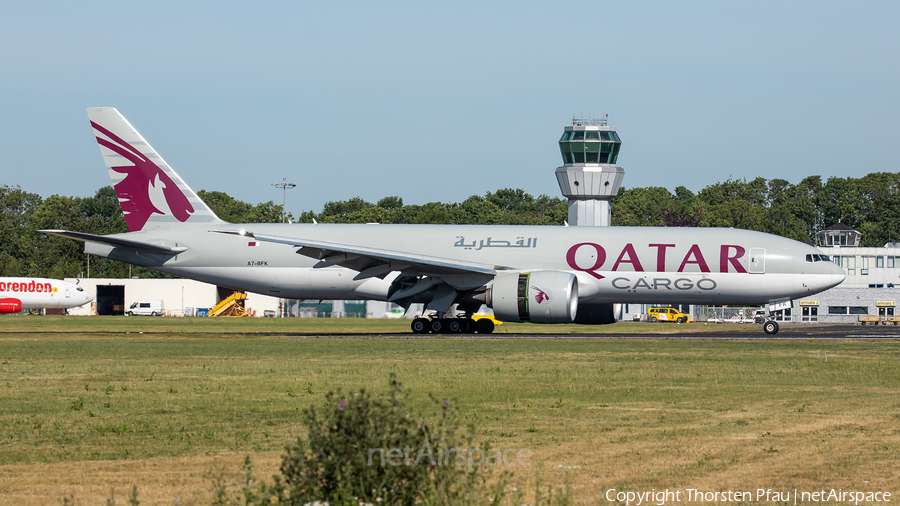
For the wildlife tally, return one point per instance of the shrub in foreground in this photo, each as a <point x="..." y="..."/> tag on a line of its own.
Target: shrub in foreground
<point x="373" y="449"/>
<point x="369" y="449"/>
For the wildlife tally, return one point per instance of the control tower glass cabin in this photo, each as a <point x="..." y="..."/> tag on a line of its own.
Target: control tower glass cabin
<point x="589" y="177"/>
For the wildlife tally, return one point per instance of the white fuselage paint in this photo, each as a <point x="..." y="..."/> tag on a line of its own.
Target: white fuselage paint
<point x="612" y="264"/>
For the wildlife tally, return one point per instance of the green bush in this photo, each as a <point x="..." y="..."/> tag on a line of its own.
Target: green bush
<point x="374" y="449"/>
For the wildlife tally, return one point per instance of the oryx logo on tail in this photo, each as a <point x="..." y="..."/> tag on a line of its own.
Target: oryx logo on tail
<point x="146" y="189"/>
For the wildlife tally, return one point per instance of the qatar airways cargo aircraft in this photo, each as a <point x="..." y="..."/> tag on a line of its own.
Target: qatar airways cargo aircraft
<point x="542" y="274"/>
<point x="40" y="293"/>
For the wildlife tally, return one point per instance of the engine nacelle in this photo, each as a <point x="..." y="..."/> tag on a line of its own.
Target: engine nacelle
<point x="10" y="305"/>
<point x="538" y="297"/>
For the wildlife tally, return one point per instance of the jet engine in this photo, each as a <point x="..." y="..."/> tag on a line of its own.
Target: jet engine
<point x="538" y="297"/>
<point x="10" y="305"/>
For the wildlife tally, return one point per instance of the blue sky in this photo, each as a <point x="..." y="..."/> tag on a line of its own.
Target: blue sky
<point x="437" y="102"/>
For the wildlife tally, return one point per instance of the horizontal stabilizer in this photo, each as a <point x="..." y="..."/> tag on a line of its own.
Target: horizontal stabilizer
<point x="118" y="242"/>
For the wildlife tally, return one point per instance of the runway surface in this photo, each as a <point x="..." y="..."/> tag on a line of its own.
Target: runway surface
<point x="682" y="331"/>
<point x="708" y="331"/>
<point x="730" y="331"/>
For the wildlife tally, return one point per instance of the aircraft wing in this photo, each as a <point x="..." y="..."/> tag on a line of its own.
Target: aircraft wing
<point x="118" y="242"/>
<point x="372" y="262"/>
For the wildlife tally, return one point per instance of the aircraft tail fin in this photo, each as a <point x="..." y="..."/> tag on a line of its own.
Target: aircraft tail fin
<point x="151" y="194"/>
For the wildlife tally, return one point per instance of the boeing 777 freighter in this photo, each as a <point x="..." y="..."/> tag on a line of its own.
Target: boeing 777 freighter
<point x="542" y="274"/>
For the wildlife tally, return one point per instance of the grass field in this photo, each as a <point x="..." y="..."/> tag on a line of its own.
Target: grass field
<point x="84" y="411"/>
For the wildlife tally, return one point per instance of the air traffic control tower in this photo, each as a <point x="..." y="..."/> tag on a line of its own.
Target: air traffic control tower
<point x="589" y="177"/>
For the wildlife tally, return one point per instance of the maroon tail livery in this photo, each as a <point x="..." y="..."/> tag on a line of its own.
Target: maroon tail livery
<point x="134" y="190"/>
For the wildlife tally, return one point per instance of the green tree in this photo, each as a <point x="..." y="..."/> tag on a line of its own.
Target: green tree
<point x="232" y="210"/>
<point x="57" y="257"/>
<point x="734" y="203"/>
<point x="434" y="213"/>
<point x="683" y="209"/>
<point x="17" y="228"/>
<point x="641" y="207"/>
<point x="390" y="203"/>
<point x="794" y="210"/>
<point x="338" y="211"/>
<point x="476" y="210"/>
<point x="841" y="202"/>
<point x="870" y="204"/>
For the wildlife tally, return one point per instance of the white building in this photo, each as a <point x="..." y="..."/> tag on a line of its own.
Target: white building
<point x="185" y="297"/>
<point x="180" y="296"/>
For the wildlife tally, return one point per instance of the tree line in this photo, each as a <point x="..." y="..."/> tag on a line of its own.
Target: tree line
<point x="869" y="204"/>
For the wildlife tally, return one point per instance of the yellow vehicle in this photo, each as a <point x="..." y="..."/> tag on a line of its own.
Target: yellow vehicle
<point x="666" y="314"/>
<point x="477" y="317"/>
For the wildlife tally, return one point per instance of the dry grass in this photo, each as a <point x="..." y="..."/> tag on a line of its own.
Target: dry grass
<point x="161" y="411"/>
<point x="163" y="480"/>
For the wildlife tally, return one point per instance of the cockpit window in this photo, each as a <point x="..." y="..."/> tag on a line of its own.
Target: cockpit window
<point x="817" y="258"/>
<point x="825" y="258"/>
<point x="80" y="289"/>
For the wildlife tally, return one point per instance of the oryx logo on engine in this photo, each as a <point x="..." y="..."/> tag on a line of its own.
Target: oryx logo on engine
<point x="541" y="295"/>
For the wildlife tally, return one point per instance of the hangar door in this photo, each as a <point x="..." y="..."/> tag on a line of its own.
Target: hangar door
<point x="110" y="300"/>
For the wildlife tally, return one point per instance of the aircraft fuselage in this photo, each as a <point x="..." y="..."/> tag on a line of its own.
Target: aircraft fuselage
<point x="612" y="264"/>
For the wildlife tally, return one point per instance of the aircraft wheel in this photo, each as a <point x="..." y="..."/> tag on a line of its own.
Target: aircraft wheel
<point x="129" y="314"/>
<point x="453" y="326"/>
<point x="419" y="326"/>
<point x="468" y="326"/>
<point x="484" y="326"/>
<point x="770" y="327"/>
<point x="436" y="326"/>
<point x="653" y="319"/>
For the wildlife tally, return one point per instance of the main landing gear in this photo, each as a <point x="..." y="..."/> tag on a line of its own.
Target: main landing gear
<point x="770" y="327"/>
<point x="465" y="325"/>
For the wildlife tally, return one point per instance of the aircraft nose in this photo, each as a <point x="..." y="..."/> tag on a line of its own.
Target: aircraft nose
<point x="837" y="274"/>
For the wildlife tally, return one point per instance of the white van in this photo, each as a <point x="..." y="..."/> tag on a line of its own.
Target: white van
<point x="145" y="308"/>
